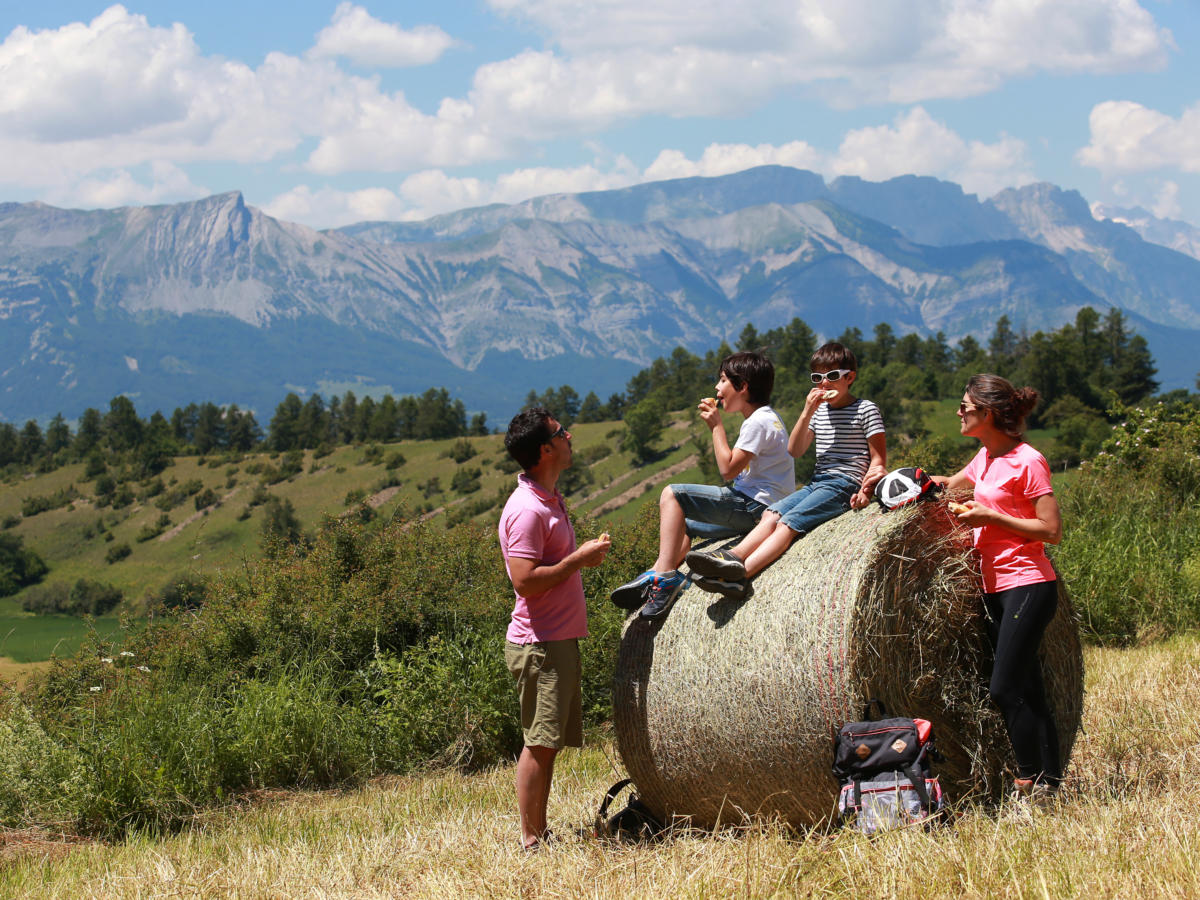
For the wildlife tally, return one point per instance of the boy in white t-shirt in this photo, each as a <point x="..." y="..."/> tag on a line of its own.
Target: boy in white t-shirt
<point x="758" y="463"/>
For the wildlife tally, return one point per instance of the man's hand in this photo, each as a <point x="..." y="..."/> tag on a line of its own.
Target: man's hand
<point x="592" y="553"/>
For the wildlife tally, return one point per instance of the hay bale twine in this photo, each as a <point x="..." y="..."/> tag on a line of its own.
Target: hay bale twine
<point x="726" y="710"/>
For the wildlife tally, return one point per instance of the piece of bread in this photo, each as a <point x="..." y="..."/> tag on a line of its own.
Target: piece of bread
<point x="958" y="508"/>
<point x="712" y="400"/>
<point x="605" y="537"/>
<point x="829" y="395"/>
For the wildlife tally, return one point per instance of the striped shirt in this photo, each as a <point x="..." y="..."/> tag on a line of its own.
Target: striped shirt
<point x="841" y="438"/>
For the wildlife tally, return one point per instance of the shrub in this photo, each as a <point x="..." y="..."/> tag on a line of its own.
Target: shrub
<point x="94" y="467"/>
<point x="83" y="598"/>
<point x="117" y="552"/>
<point x="466" y="480"/>
<point x="280" y="528"/>
<point x="507" y="464"/>
<point x="183" y="592"/>
<point x="20" y="566"/>
<point x="394" y="461"/>
<point x="31" y="506"/>
<point x="1131" y="535"/>
<point x="41" y="780"/>
<point x="460" y="451"/>
<point x="206" y="498"/>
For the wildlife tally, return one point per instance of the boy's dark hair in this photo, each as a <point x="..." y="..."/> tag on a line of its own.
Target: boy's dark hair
<point x="833" y="356"/>
<point x="753" y="369"/>
<point x="528" y="432"/>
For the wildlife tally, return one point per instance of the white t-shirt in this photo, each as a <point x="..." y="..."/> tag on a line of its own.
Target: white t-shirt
<point x="770" y="475"/>
<point x="841" y="438"/>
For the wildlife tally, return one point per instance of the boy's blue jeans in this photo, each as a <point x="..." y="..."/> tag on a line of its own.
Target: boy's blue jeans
<point x="825" y="497"/>
<point x="710" y="511"/>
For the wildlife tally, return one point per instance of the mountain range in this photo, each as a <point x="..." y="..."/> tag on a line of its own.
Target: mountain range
<point x="214" y="300"/>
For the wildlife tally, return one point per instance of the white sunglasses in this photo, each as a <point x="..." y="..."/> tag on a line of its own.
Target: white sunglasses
<point x="835" y="375"/>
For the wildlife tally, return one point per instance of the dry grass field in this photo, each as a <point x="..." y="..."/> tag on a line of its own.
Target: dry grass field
<point x="1127" y="826"/>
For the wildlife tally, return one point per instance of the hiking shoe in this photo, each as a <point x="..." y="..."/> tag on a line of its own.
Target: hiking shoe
<point x="729" y="588"/>
<point x="716" y="564"/>
<point x="1033" y="793"/>
<point x="661" y="593"/>
<point x="630" y="594"/>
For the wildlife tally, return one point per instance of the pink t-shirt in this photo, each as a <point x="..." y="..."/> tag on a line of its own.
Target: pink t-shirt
<point x="534" y="525"/>
<point x="1009" y="484"/>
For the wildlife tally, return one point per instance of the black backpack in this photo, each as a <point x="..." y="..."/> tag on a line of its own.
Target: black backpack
<point x="883" y="767"/>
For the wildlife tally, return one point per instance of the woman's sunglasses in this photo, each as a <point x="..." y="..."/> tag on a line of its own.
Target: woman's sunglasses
<point x="835" y="375"/>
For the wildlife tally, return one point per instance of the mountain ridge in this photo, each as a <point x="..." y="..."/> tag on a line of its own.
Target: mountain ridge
<point x="490" y="302"/>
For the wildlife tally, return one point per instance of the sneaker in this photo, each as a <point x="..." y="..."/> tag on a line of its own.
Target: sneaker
<point x="716" y="564"/>
<point x="1033" y="793"/>
<point x="630" y="594"/>
<point x="661" y="594"/>
<point x="729" y="588"/>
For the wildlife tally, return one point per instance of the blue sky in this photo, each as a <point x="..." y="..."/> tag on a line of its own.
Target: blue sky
<point x="327" y="113"/>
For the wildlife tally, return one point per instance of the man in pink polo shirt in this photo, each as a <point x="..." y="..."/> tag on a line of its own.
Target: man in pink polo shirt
<point x="550" y="615"/>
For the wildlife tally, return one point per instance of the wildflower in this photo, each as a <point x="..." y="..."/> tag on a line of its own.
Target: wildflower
<point x="95" y="688"/>
<point x="127" y="653"/>
<point x="143" y="668"/>
<point x="106" y="659"/>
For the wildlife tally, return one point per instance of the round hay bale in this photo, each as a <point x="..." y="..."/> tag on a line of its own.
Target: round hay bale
<point x="726" y="710"/>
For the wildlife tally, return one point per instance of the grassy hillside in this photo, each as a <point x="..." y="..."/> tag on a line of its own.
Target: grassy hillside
<point x="393" y="480"/>
<point x="1125" y="826"/>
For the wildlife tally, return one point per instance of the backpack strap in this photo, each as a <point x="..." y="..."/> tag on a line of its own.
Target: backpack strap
<point x="874" y="701"/>
<point x="917" y="777"/>
<point x="611" y="795"/>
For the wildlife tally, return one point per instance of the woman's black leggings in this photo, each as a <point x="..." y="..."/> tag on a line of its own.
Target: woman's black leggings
<point x="1017" y="619"/>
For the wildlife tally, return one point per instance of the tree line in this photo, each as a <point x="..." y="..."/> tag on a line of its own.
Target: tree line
<point x="202" y="428"/>
<point x="1082" y="371"/>
<point x="1079" y="369"/>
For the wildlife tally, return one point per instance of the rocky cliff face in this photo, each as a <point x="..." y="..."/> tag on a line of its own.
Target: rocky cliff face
<point x="215" y="300"/>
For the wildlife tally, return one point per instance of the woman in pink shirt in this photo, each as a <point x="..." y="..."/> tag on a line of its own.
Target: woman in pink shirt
<point x="1013" y="514"/>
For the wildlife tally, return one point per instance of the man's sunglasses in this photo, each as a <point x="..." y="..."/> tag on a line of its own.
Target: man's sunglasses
<point x="835" y="375"/>
<point x="560" y="433"/>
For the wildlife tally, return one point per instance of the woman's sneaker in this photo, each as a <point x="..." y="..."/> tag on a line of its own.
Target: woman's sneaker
<point x="716" y="564"/>
<point x="730" y="589"/>
<point x="630" y="595"/>
<point x="661" y="593"/>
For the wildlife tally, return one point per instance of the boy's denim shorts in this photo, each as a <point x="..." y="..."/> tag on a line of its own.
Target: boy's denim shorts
<point x="710" y="511"/>
<point x="825" y="497"/>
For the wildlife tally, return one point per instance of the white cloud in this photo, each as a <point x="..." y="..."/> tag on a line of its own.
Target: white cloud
<point x="1166" y="203"/>
<point x="356" y="35"/>
<point x="431" y="192"/>
<point x="915" y="143"/>
<point x="723" y="159"/>
<point x="857" y="51"/>
<point x="330" y="208"/>
<point x="1129" y="137"/>
<point x="168" y="183"/>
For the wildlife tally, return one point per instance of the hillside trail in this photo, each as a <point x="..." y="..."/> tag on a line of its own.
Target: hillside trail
<point x="642" y="486"/>
<point x="198" y="514"/>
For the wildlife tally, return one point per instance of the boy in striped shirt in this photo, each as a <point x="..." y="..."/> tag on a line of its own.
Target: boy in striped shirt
<point x="851" y="457"/>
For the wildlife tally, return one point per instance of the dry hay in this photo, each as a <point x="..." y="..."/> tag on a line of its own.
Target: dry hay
<point x="726" y="709"/>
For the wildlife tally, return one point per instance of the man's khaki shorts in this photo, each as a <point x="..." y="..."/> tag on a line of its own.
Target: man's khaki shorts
<point x="548" y="682"/>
